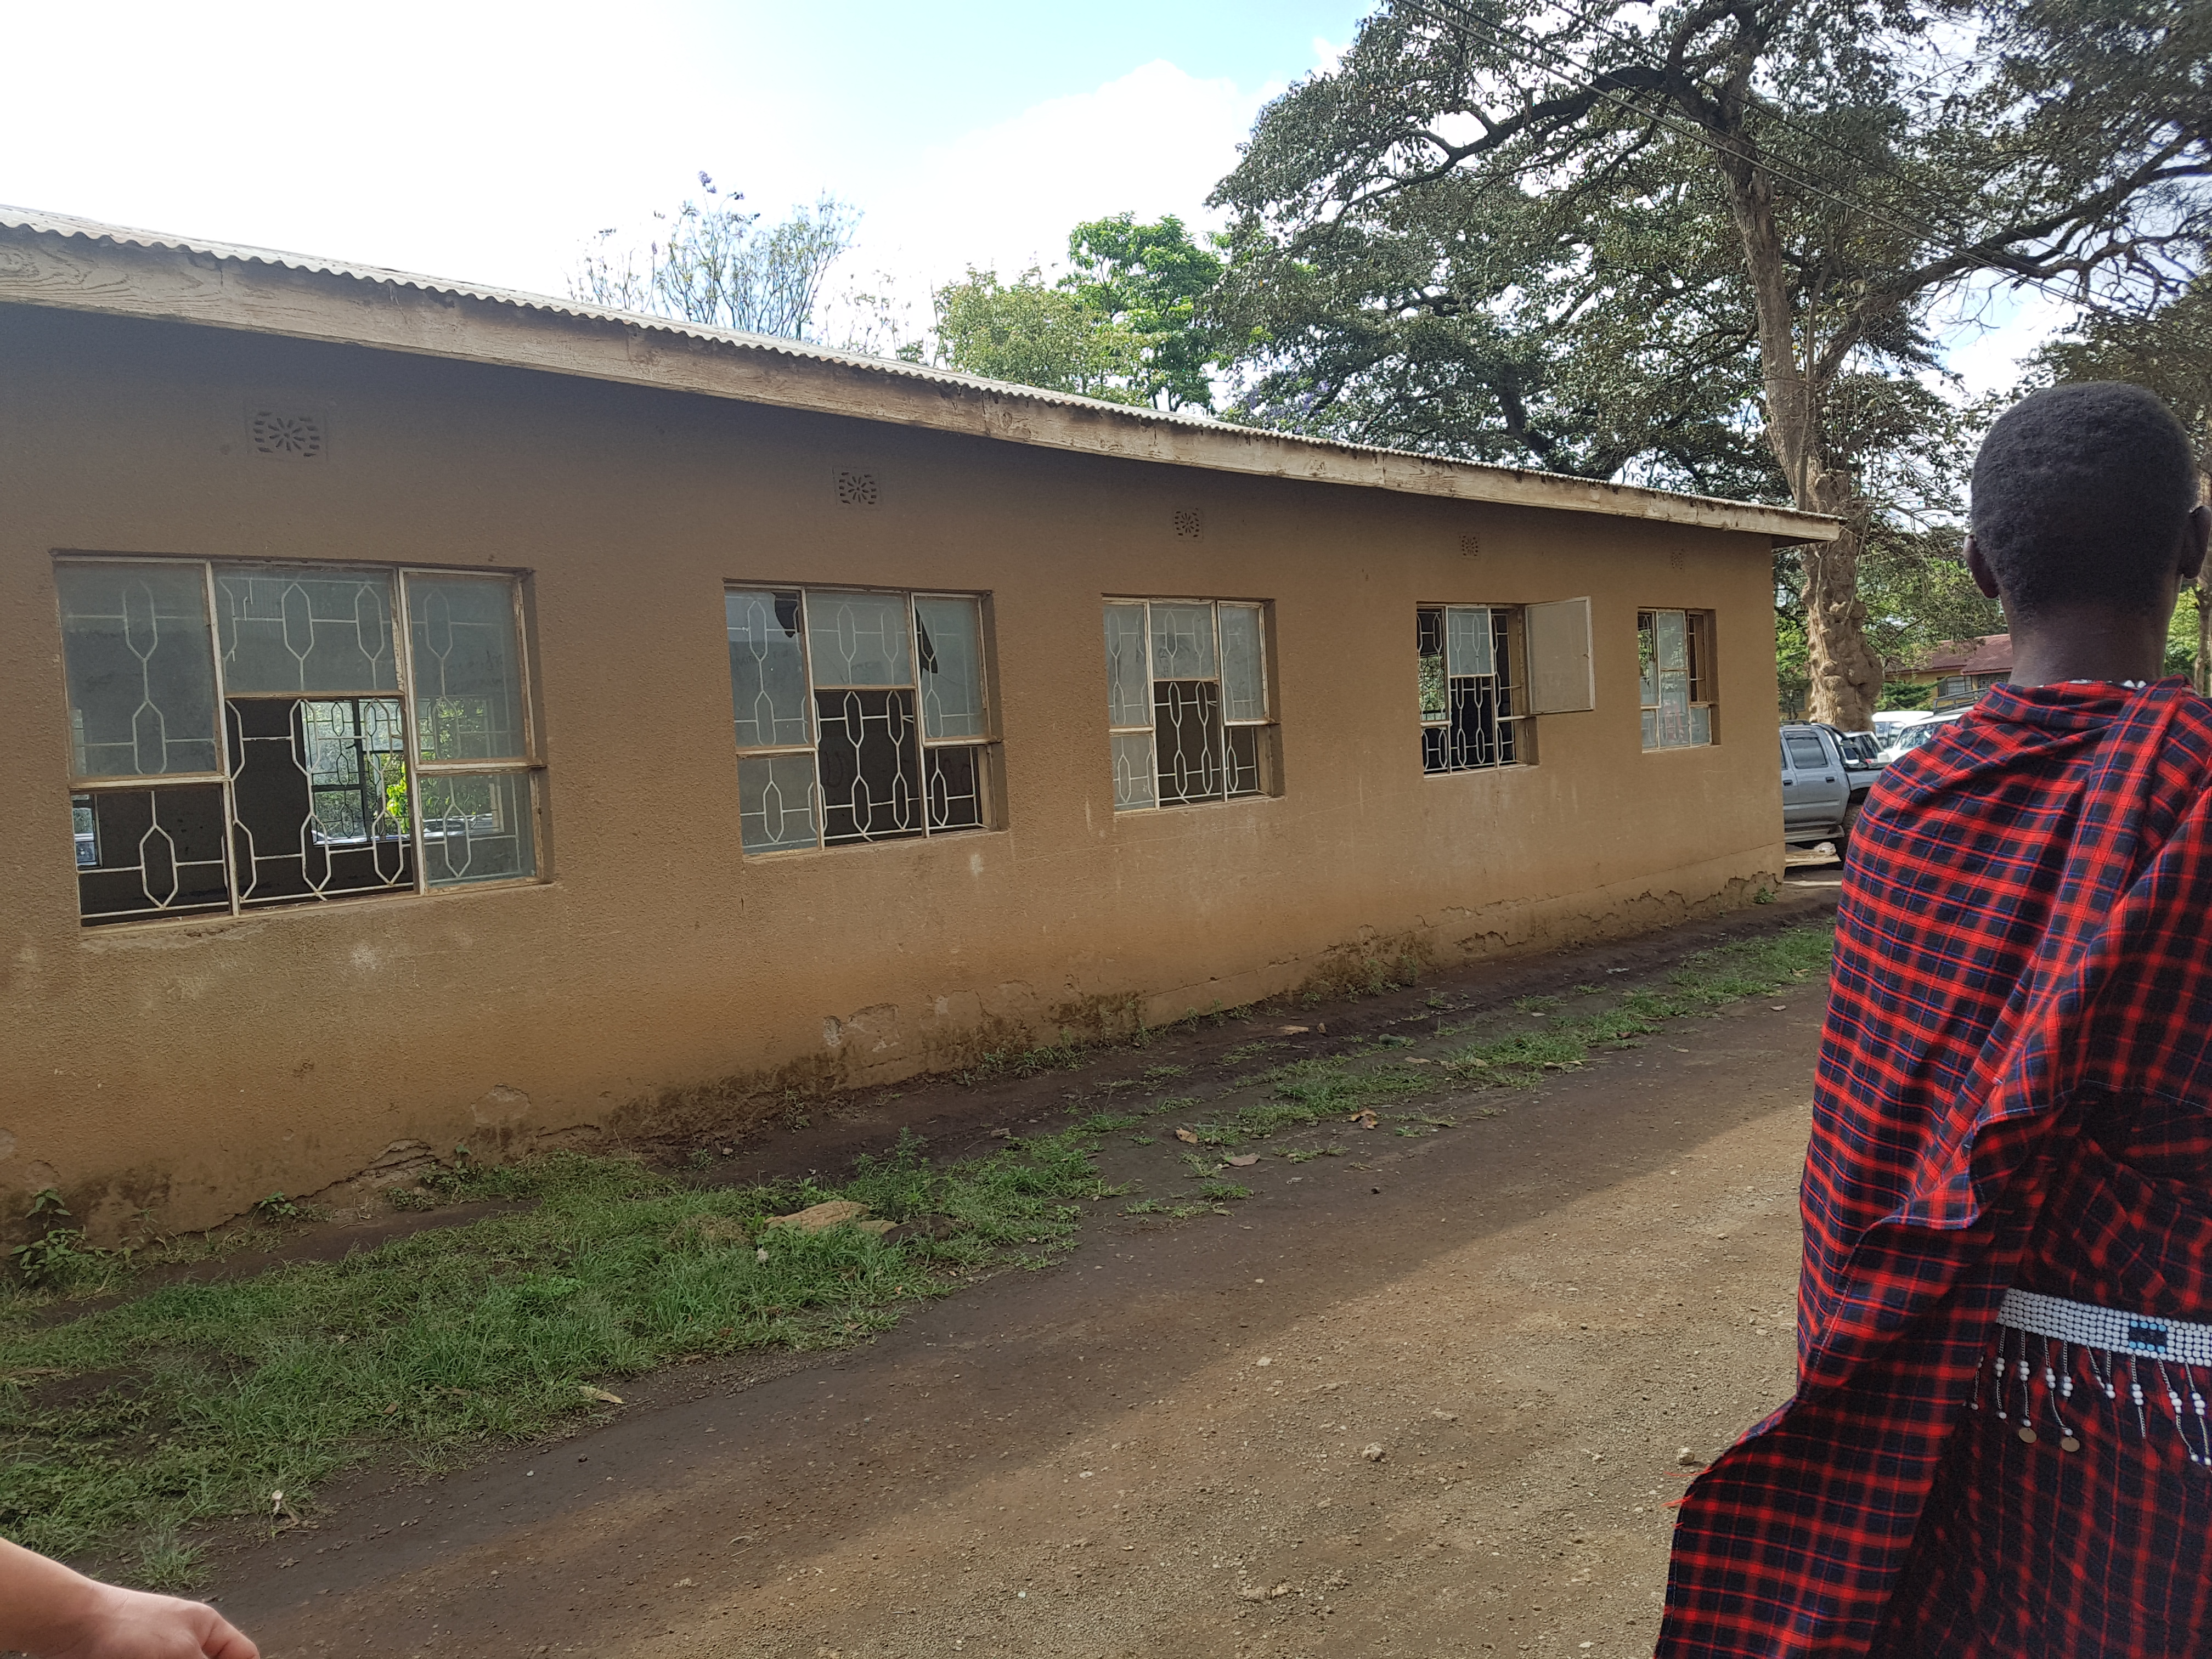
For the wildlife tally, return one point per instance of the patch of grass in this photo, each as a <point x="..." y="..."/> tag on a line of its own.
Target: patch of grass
<point x="1248" y="1051"/>
<point x="1704" y="984"/>
<point x="1144" y="1140"/>
<point x="1218" y="1191"/>
<point x="125" y="1425"/>
<point x="1307" y="1154"/>
<point x="1535" y="1005"/>
<point x="1160" y="1074"/>
<point x="1171" y="1104"/>
<point x="1105" y="1123"/>
<point x="1069" y="1055"/>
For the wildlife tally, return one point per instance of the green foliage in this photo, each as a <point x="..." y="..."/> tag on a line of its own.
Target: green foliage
<point x="1035" y="334"/>
<point x="1156" y="281"/>
<point x="199" y="1399"/>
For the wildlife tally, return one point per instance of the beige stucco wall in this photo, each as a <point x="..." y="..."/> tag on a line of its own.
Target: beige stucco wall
<point x="659" y="976"/>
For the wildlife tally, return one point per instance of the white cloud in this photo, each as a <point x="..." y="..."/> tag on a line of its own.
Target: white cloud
<point x="1155" y="141"/>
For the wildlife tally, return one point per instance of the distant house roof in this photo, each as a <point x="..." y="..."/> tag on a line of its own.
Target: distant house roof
<point x="53" y="260"/>
<point x="1989" y="654"/>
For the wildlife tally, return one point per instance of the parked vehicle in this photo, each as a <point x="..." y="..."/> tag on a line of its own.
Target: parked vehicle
<point x="1825" y="775"/>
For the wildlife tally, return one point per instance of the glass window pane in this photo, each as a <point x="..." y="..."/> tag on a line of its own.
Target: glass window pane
<point x="1467" y="628"/>
<point x="476" y="828"/>
<point x="1244" y="679"/>
<point x="1647" y="657"/>
<point x="140" y="667"/>
<point x="467" y="666"/>
<point x="1650" y="728"/>
<point x="1429" y="632"/>
<point x="768" y="669"/>
<point x="1128" y="681"/>
<point x="1701" y="723"/>
<point x="151" y="853"/>
<point x="1674" y="642"/>
<point x="1807" y="753"/>
<point x="282" y="629"/>
<point x="949" y="645"/>
<point x="1136" y="780"/>
<point x="1673" y="710"/>
<point x="775" y="802"/>
<point x="1182" y="642"/>
<point x="859" y="639"/>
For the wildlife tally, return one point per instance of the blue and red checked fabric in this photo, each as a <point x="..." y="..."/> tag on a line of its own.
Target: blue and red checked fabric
<point x="2023" y="970"/>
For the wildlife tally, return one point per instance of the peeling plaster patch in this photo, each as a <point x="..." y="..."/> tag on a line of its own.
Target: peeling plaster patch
<point x="877" y="1028"/>
<point x="365" y="959"/>
<point x="499" y="1106"/>
<point x="975" y="864"/>
<point x="7" y="1143"/>
<point x="833" y="1032"/>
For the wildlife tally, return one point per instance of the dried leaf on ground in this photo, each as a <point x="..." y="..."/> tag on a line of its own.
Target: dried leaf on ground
<point x="1186" y="1135"/>
<point x="1243" y="1160"/>
<point x="600" y="1394"/>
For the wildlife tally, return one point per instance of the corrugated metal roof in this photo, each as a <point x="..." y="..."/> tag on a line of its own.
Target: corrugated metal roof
<point x="1511" y="483"/>
<point x="61" y="224"/>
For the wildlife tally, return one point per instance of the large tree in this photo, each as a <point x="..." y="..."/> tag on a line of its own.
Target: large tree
<point x="1629" y="239"/>
<point x="713" y="261"/>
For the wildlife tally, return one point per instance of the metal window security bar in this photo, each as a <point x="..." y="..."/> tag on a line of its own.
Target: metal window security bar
<point x="1471" y="713"/>
<point x="249" y="735"/>
<point x="860" y="715"/>
<point x="1673" y="651"/>
<point x="1186" y="707"/>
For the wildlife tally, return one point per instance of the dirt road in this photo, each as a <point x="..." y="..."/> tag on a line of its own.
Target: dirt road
<point x="1424" y="1398"/>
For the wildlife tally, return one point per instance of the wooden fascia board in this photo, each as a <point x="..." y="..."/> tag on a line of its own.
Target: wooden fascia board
<point x="43" y="268"/>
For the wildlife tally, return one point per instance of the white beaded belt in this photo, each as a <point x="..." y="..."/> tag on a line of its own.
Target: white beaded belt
<point x="2144" y="1335"/>
<point x="2115" y="1346"/>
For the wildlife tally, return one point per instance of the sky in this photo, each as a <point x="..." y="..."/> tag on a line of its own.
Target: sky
<point x="488" y="142"/>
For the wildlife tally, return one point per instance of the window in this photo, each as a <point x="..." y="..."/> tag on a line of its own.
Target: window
<point x="245" y="736"/>
<point x="1186" y="705"/>
<point x="861" y="716"/>
<point x="1471" y="707"/>
<point x="1675" y="650"/>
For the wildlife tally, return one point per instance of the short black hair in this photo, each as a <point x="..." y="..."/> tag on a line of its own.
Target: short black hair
<point x="2079" y="496"/>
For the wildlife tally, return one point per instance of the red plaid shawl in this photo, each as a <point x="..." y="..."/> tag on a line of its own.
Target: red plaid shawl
<point x="2023" y="925"/>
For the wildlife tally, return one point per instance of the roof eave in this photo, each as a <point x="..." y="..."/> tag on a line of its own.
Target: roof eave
<point x="46" y="260"/>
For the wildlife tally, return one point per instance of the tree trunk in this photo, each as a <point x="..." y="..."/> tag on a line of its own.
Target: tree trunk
<point x="1845" y="673"/>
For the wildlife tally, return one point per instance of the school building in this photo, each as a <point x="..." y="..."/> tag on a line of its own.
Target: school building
<point x="441" y="715"/>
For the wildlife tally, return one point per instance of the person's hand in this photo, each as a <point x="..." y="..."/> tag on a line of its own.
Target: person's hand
<point x="125" y="1624"/>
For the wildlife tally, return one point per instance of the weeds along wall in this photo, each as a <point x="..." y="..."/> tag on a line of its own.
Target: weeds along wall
<point x="656" y="977"/>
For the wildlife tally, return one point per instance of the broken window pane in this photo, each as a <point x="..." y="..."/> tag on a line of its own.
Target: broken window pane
<point x="871" y="765"/>
<point x="949" y="646"/>
<point x="1187" y="721"/>
<point x="1182" y="642"/>
<point x="775" y="802"/>
<point x="467" y="666"/>
<point x="1246" y="774"/>
<point x="1429" y="632"/>
<point x="1136" y="778"/>
<point x="1244" y="682"/>
<point x="860" y="639"/>
<point x="140" y="671"/>
<point x="1674" y="642"/>
<point x="319" y="798"/>
<point x="476" y="827"/>
<point x="1128" y="677"/>
<point x="955" y="776"/>
<point x="768" y="669"/>
<point x="282" y="629"/>
<point x="1647" y="656"/>
<point x="152" y="853"/>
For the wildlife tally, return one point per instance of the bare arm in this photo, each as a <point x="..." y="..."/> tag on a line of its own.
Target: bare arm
<point x="48" y="1610"/>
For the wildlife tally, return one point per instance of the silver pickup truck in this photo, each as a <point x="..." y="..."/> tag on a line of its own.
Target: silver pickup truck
<point x="1826" y="775"/>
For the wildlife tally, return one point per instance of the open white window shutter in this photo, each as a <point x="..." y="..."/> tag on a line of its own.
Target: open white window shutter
<point x="1560" y="678"/>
